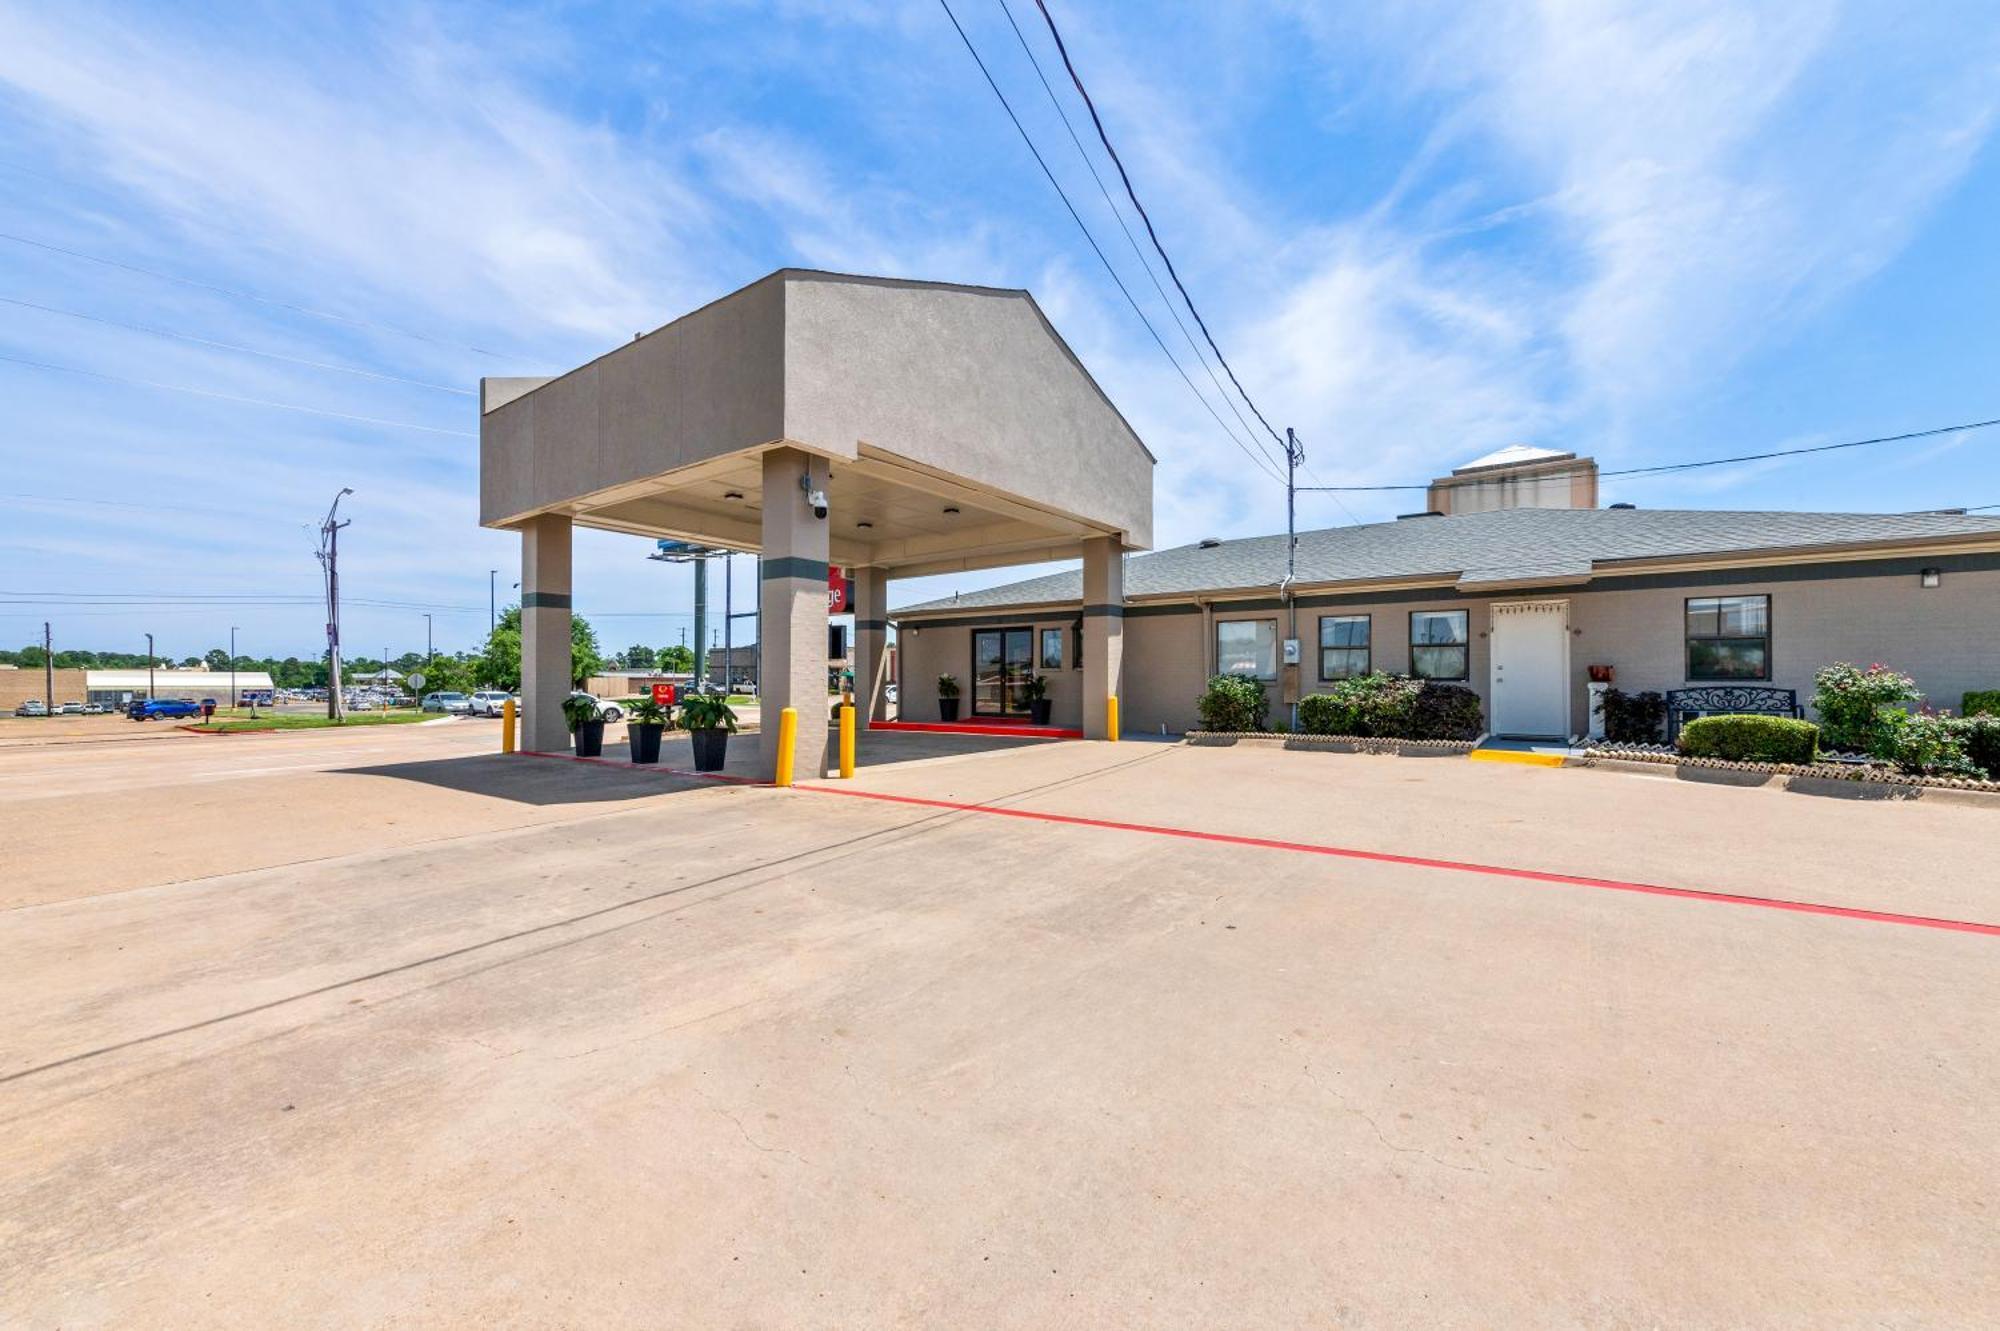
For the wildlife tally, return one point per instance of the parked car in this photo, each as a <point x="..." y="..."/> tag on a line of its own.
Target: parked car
<point x="72" y="709"/>
<point x="93" y="709"/>
<point x="488" y="702"/>
<point x="32" y="707"/>
<point x="606" y="711"/>
<point x="161" y="709"/>
<point x="453" y="703"/>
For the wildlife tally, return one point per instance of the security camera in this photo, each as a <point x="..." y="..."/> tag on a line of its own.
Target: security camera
<point x="817" y="498"/>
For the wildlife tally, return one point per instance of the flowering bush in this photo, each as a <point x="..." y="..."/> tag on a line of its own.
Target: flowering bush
<point x="1928" y="743"/>
<point x="1857" y="708"/>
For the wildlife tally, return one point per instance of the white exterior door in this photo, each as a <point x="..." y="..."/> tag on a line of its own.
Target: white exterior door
<point x="1529" y="651"/>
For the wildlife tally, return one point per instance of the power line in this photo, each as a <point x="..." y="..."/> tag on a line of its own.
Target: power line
<point x="230" y="346"/>
<point x="231" y="397"/>
<point x="1119" y="217"/>
<point x="1705" y="462"/>
<point x="350" y="320"/>
<point x="1154" y="235"/>
<point x="1262" y="462"/>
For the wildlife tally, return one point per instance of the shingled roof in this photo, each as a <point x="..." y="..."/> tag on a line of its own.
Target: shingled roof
<point x="1509" y="547"/>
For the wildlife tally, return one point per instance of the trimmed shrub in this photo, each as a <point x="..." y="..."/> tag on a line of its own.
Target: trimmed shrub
<point x="1379" y="706"/>
<point x="1981" y="702"/>
<point x="1634" y="718"/>
<point x="1233" y="703"/>
<point x="1856" y="707"/>
<point x="1750" y="739"/>
<point x="1445" y="711"/>
<point x="1982" y="743"/>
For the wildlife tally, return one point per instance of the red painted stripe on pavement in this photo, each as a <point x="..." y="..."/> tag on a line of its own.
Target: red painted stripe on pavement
<point x="1426" y="862"/>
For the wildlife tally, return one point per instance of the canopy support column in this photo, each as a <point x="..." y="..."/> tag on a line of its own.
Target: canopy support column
<point x="545" y="632"/>
<point x="792" y="599"/>
<point x="1103" y="631"/>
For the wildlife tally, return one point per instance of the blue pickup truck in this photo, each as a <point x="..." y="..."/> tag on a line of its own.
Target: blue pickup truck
<point x="154" y="709"/>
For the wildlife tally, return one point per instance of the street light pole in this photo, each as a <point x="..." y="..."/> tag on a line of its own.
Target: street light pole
<point x="329" y="559"/>
<point x="430" y="652"/>
<point x="232" y="667"/>
<point x="149" y="665"/>
<point x="492" y="601"/>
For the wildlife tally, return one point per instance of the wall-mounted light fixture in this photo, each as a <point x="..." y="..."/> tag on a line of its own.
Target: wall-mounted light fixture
<point x="1930" y="577"/>
<point x="951" y="508"/>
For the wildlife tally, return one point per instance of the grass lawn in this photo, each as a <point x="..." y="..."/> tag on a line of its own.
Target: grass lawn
<point x="226" y="722"/>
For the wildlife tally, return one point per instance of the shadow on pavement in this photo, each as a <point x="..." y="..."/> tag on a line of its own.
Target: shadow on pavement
<point x="527" y="779"/>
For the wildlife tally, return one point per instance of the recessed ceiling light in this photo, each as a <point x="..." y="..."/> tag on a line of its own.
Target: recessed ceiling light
<point x="951" y="508"/>
<point x="732" y="494"/>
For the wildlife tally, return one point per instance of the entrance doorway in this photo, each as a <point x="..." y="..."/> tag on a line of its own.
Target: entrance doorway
<point x="1002" y="660"/>
<point x="1530" y="669"/>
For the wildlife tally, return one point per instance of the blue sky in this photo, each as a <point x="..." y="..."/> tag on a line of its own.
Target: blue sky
<point x="1645" y="232"/>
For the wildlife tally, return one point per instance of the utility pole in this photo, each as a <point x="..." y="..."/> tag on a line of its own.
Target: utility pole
<point x="492" y="601"/>
<point x="1295" y="453"/>
<point x="329" y="559"/>
<point x="728" y="622"/>
<point x="430" y="652"/>
<point x="701" y="631"/>
<point x="49" y="666"/>
<point x="149" y="666"/>
<point x="232" y="667"/>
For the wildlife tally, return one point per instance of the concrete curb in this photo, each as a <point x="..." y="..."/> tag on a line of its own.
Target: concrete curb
<point x="1799" y="782"/>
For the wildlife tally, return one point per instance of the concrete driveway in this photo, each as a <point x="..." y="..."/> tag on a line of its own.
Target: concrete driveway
<point x="448" y="1039"/>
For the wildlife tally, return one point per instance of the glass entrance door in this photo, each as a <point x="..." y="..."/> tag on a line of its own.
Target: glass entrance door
<point x="1002" y="660"/>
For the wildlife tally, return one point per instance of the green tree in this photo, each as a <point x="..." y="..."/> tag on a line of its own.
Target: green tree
<point x="677" y="659"/>
<point x="215" y="659"/>
<point x="638" y="658"/>
<point x="500" y="663"/>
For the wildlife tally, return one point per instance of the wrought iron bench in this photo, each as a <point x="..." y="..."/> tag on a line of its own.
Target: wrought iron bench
<point x="1728" y="700"/>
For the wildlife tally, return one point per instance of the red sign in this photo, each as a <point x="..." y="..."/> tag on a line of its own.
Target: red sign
<point x="839" y="591"/>
<point x="663" y="694"/>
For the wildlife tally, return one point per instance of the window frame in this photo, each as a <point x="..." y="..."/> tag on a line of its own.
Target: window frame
<point x="1465" y="644"/>
<point x="1042" y="649"/>
<point x="1277" y="649"/>
<point x="1367" y="651"/>
<point x="1768" y="637"/>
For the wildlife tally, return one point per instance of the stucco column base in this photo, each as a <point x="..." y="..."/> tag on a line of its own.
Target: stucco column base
<point x="1103" y="632"/>
<point x="792" y="598"/>
<point x="871" y="643"/>
<point x="545" y="632"/>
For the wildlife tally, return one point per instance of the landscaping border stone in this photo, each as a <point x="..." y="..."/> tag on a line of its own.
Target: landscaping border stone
<point x="1401" y="748"/>
<point x="1849" y="780"/>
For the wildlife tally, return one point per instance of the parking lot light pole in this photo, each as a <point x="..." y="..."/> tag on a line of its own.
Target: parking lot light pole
<point x="149" y="665"/>
<point x="232" y="667"/>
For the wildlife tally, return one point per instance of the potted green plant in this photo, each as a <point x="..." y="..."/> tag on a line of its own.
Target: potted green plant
<point x="1035" y="688"/>
<point x="709" y="723"/>
<point x="586" y="723"/>
<point x="947" y="698"/>
<point x="646" y="721"/>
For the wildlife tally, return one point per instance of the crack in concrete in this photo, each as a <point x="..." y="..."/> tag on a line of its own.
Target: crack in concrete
<point x="1382" y="1136"/>
<point x="717" y="1107"/>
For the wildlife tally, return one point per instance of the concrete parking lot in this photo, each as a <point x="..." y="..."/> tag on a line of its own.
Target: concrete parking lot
<point x="384" y="1029"/>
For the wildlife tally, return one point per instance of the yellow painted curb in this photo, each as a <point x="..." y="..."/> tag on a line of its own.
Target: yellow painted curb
<point x="1516" y="756"/>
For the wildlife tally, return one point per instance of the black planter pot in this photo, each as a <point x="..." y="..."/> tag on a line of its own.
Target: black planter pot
<point x="645" y="738"/>
<point x="589" y="739"/>
<point x="1038" y="711"/>
<point x="711" y="747"/>
<point x="947" y="709"/>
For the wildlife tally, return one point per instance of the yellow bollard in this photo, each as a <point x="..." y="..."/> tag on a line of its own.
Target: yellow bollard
<point x="1111" y="718"/>
<point x="788" y="739"/>
<point x="507" y="726"/>
<point x="847" y="740"/>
